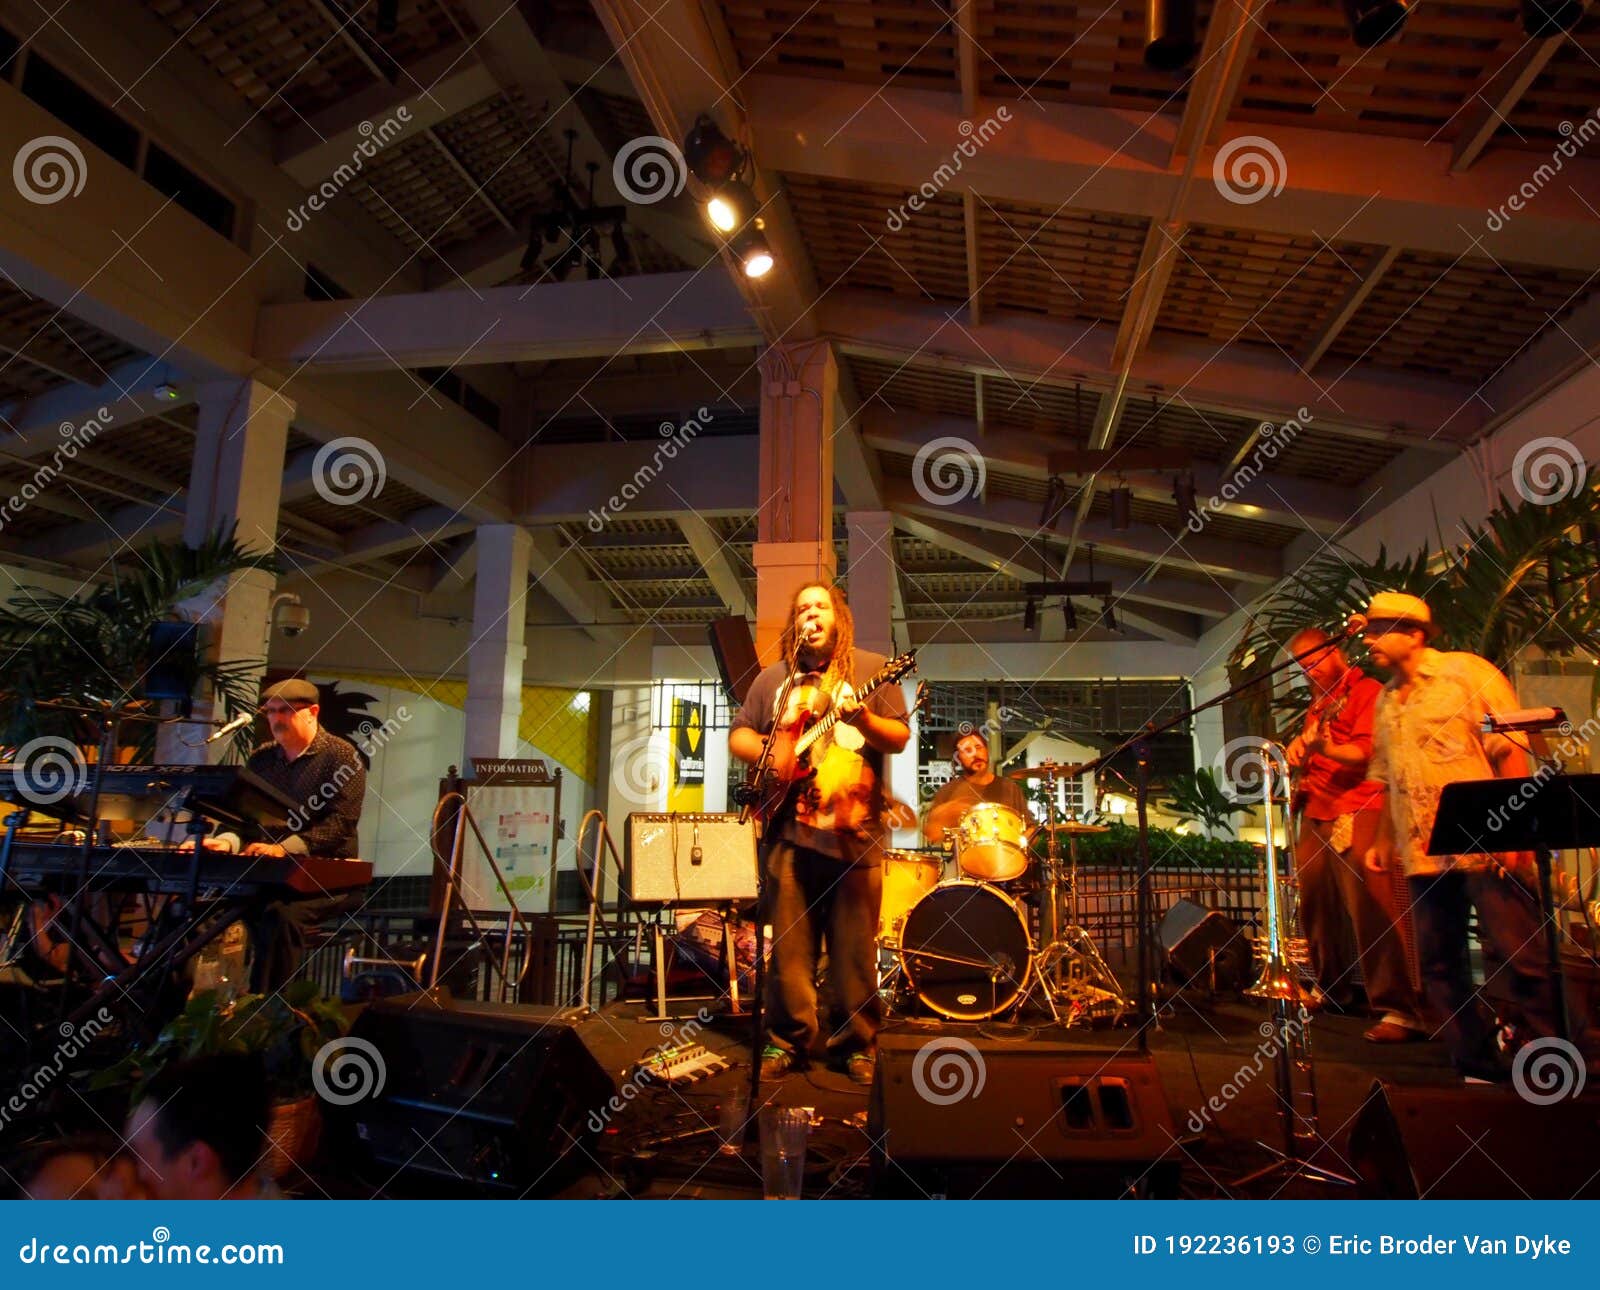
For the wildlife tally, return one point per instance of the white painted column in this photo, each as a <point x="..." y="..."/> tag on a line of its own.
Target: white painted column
<point x="235" y="482"/>
<point x="872" y="579"/>
<point x="495" y="658"/>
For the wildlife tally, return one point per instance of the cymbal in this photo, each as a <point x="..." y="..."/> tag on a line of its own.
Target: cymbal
<point x="1045" y="769"/>
<point x="1073" y="829"/>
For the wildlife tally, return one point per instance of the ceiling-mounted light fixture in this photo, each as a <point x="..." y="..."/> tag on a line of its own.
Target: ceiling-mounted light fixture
<point x="753" y="252"/>
<point x="731" y="207"/>
<point x="1374" y="21"/>
<point x="711" y="156"/>
<point x="1169" y="34"/>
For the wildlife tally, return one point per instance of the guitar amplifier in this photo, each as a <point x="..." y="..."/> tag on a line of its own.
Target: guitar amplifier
<point x="690" y="858"/>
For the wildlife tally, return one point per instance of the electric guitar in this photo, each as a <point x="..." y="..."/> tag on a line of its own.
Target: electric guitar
<point x="792" y="742"/>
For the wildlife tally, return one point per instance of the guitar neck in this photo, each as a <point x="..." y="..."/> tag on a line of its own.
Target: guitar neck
<point x="828" y="722"/>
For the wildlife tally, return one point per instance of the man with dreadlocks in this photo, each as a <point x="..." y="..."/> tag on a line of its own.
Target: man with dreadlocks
<point x="824" y="848"/>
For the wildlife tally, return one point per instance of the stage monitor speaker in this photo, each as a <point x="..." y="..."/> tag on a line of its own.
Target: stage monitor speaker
<point x="689" y="858"/>
<point x="1194" y="938"/>
<point x="735" y="651"/>
<point x="491" y="1096"/>
<point x="967" y="1116"/>
<point x="1475" y="1142"/>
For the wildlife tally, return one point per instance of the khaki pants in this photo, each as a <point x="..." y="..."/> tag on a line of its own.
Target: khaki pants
<point x="1340" y="896"/>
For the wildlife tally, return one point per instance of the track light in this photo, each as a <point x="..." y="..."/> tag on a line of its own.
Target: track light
<point x="754" y="255"/>
<point x="1121" y="508"/>
<point x="711" y="156"/>
<point x="1069" y="616"/>
<point x="731" y="207"/>
<point x="1030" y="616"/>
<point x="1543" y="18"/>
<point x="1183" y="494"/>
<point x="1169" y="34"/>
<point x="1374" y="21"/>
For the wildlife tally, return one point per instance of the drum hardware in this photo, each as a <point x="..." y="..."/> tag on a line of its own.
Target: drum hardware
<point x="1295" y="1080"/>
<point x="1048" y="770"/>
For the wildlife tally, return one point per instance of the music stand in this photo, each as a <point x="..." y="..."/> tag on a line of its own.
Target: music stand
<point x="1534" y="813"/>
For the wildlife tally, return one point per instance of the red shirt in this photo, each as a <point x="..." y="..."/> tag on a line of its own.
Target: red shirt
<point x="1332" y="789"/>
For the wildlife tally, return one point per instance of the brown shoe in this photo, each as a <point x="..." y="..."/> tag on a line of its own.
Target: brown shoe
<point x="1392" y="1032"/>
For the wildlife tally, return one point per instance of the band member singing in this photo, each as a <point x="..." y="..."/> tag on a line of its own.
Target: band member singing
<point x="1427" y="734"/>
<point x="1338" y="822"/>
<point x="824" y="848"/>
<point x="974" y="782"/>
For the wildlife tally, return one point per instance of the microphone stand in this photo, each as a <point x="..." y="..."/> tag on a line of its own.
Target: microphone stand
<point x="1139" y="745"/>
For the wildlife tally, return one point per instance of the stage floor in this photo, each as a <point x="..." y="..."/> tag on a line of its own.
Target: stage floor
<point x="658" y="1144"/>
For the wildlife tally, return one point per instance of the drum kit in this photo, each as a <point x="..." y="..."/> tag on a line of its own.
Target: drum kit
<point x="961" y="946"/>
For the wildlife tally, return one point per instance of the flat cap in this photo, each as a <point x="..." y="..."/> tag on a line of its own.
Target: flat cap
<point x="296" y="690"/>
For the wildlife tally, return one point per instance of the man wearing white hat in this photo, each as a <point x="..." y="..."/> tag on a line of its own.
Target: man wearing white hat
<point x="1426" y="734"/>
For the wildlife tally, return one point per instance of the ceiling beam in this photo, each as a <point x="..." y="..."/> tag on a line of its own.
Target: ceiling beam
<point x="126" y="395"/>
<point x="1380" y="264"/>
<point x="709" y="380"/>
<point x="1356" y="187"/>
<point x="560" y="572"/>
<point x="591" y="484"/>
<point x="1214" y="85"/>
<point x="651" y="313"/>
<point x="1492" y="104"/>
<point x="712" y="553"/>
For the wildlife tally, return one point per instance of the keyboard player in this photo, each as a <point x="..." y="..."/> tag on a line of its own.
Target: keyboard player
<point x="324" y="777"/>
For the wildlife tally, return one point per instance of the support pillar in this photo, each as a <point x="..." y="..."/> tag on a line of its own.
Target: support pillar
<point x="235" y="481"/>
<point x="872" y="575"/>
<point x="495" y="659"/>
<point x="794" y="522"/>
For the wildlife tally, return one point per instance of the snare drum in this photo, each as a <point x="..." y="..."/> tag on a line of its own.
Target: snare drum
<point x="907" y="877"/>
<point x="992" y="843"/>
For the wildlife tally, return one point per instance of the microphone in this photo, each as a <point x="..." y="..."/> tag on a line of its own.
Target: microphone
<point x="238" y="723"/>
<point x="1523" y="720"/>
<point x="1354" y="626"/>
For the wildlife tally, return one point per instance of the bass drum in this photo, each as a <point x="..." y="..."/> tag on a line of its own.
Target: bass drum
<point x="965" y="952"/>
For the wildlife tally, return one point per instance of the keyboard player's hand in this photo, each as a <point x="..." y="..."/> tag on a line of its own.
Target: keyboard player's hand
<point x="210" y="844"/>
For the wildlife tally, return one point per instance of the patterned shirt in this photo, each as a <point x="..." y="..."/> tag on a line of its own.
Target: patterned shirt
<point x="1432" y="738"/>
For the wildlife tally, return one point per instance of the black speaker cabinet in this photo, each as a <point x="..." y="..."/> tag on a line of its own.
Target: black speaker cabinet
<point x="493" y="1097"/>
<point x="734" y="648"/>
<point x="1475" y="1142"/>
<point x="1197" y="940"/>
<point x="961" y="1115"/>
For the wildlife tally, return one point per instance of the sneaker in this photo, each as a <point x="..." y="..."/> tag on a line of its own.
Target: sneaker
<point x="776" y="1062"/>
<point x="861" y="1065"/>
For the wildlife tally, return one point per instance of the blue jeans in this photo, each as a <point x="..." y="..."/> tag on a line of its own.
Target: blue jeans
<point x="1515" y="963"/>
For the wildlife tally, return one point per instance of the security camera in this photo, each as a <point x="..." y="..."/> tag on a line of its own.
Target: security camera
<point x="293" y="619"/>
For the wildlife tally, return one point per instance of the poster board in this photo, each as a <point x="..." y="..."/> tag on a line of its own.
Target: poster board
<point x="516" y="803"/>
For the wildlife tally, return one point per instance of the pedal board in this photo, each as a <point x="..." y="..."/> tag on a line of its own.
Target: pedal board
<point x="678" y="1067"/>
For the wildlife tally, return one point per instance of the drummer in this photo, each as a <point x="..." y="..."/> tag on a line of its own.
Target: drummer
<point x="974" y="782"/>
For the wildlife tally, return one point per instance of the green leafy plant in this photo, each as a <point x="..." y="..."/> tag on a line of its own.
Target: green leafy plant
<point x="286" y="1029"/>
<point x="1169" y="849"/>
<point x="1198" y="797"/>
<point x="94" y="648"/>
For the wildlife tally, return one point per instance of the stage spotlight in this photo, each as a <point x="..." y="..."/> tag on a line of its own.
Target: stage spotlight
<point x="711" y="156"/>
<point x="731" y="207"/>
<point x="1107" y="616"/>
<point x="1183" y="494"/>
<point x="1374" y="21"/>
<point x="1121" y="508"/>
<point x="1030" y="616"/>
<point x="755" y="256"/>
<point x="1543" y="18"/>
<point x="1069" y="616"/>
<point x="1169" y="34"/>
